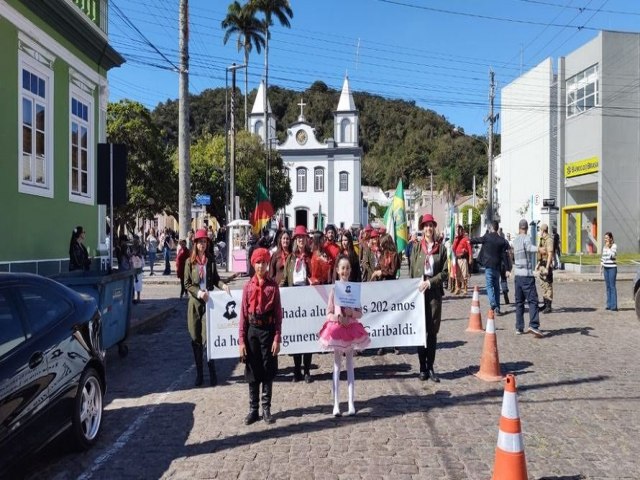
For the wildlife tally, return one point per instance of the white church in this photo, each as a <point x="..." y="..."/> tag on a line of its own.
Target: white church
<point x="324" y="177"/>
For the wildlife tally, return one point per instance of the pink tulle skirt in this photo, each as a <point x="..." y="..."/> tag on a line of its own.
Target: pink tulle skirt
<point x="336" y="337"/>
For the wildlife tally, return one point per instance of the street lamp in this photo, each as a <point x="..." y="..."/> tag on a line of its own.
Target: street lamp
<point x="230" y="124"/>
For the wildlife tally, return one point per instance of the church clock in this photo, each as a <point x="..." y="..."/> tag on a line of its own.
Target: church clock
<point x="301" y="137"/>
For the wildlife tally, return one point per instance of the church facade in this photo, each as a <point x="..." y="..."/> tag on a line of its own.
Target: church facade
<point x="325" y="177"/>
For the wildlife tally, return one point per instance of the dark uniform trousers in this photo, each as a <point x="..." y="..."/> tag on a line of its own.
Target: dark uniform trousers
<point x="261" y="365"/>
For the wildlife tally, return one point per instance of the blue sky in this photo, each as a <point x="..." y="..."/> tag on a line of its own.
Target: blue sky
<point x="435" y="52"/>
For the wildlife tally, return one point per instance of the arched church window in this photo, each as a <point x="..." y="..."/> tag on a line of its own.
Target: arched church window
<point x="344" y="181"/>
<point x="345" y="130"/>
<point x="258" y="130"/>
<point x="318" y="179"/>
<point x="301" y="183"/>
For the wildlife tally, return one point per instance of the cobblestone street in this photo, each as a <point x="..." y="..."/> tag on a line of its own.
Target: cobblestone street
<point x="579" y="393"/>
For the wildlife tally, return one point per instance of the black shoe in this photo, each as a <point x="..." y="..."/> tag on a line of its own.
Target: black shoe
<point x="297" y="377"/>
<point x="307" y="378"/>
<point x="266" y="415"/>
<point x="198" y="379"/>
<point x="252" y="417"/>
<point x="213" y="377"/>
<point x="506" y="298"/>
<point x="433" y="377"/>
<point x="423" y="376"/>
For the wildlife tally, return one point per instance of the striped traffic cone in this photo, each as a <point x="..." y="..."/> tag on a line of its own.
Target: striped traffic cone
<point x="489" y="361"/>
<point x="510" y="463"/>
<point x="475" y="319"/>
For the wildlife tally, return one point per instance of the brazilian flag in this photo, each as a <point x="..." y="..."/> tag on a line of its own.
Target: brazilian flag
<point x="395" y="219"/>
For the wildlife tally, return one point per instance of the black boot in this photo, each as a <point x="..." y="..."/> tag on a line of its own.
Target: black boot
<point x="213" y="378"/>
<point x="253" y="416"/>
<point x="197" y="355"/>
<point x="506" y="297"/>
<point x="267" y="388"/>
<point x="297" y="367"/>
<point x="307" y="367"/>
<point x="547" y="306"/>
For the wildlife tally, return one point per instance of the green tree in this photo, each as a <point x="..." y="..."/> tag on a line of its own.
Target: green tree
<point x="152" y="185"/>
<point x="241" y="20"/>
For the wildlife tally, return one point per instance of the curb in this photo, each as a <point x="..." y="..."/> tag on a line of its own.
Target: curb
<point x="153" y="318"/>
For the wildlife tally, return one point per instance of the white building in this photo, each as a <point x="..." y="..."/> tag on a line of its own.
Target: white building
<point x="324" y="176"/>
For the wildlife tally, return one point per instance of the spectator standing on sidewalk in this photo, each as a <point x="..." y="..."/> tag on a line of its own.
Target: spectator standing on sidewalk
<point x="464" y="258"/>
<point x="182" y="253"/>
<point x="152" y="249"/>
<point x="545" y="266"/>
<point x="493" y="254"/>
<point x="167" y="246"/>
<point x="78" y="253"/>
<point x="200" y="277"/>
<point x="429" y="263"/>
<point x="609" y="267"/>
<point x="556" y="248"/>
<point x="525" y="282"/>
<point x="259" y="335"/>
<point x="137" y="262"/>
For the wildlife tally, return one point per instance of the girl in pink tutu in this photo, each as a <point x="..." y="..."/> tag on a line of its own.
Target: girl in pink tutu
<point x="343" y="333"/>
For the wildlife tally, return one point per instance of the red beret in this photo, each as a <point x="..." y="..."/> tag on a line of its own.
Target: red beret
<point x="260" y="255"/>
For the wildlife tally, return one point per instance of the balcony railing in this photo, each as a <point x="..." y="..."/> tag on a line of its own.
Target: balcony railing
<point x="96" y="11"/>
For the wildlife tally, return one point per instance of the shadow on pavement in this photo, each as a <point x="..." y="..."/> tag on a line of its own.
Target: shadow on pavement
<point x="518" y="368"/>
<point x="571" y="330"/>
<point x="574" y="309"/>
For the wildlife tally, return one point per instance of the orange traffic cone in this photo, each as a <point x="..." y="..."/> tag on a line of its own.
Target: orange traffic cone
<point x="489" y="362"/>
<point x="475" y="319"/>
<point x="510" y="463"/>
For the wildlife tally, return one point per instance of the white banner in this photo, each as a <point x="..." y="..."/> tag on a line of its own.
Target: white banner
<point x="393" y="314"/>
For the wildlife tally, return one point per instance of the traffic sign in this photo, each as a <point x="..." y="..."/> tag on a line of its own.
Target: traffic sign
<point x="203" y="199"/>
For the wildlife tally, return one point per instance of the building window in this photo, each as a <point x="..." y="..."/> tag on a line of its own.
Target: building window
<point x="345" y="131"/>
<point x="318" y="179"/>
<point x="583" y="91"/>
<point x="344" y="181"/>
<point x="301" y="184"/>
<point x="36" y="128"/>
<point x="81" y="159"/>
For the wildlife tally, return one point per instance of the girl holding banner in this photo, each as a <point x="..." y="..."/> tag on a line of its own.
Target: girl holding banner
<point x="279" y="259"/>
<point x="297" y="272"/>
<point x="387" y="268"/>
<point x="429" y="262"/>
<point x="343" y="333"/>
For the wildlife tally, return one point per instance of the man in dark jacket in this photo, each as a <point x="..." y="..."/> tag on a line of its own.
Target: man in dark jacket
<point x="493" y="255"/>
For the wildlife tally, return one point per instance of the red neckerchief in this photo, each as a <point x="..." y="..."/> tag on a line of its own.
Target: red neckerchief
<point x="201" y="263"/>
<point x="257" y="300"/>
<point x="300" y="260"/>
<point x="283" y="256"/>
<point x="434" y="248"/>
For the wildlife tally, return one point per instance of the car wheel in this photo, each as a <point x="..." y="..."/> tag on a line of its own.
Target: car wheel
<point x="87" y="412"/>
<point x="638" y="304"/>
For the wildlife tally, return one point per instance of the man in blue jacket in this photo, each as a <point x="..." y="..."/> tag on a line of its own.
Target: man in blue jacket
<point x="494" y="253"/>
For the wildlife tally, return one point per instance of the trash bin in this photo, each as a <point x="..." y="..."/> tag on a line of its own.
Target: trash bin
<point x="113" y="293"/>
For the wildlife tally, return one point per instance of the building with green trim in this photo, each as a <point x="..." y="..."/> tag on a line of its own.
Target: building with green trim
<point x="55" y="57"/>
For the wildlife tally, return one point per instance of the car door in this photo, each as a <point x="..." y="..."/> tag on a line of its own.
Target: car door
<point x="24" y="379"/>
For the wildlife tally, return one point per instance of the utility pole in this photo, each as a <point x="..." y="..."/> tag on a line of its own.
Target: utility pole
<point x="232" y="152"/>
<point x="491" y="119"/>
<point x="184" y="165"/>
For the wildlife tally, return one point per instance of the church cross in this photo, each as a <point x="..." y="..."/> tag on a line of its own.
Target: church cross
<point x="302" y="105"/>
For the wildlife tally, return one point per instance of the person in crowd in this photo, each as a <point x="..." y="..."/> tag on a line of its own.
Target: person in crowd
<point x="152" y="249"/>
<point x="343" y="334"/>
<point x="525" y="282"/>
<point x="348" y="250"/>
<point x="387" y="268"/>
<point x="429" y="263"/>
<point x="413" y="240"/>
<point x="252" y="244"/>
<point x="363" y="246"/>
<point x="182" y="253"/>
<point x="297" y="273"/>
<point x="545" y="266"/>
<point x="330" y="245"/>
<point x="138" y="255"/>
<point x="556" y="248"/>
<point x="200" y="277"/>
<point x="78" y="253"/>
<point x="506" y="266"/>
<point x="492" y="255"/>
<point x="190" y="239"/>
<point x="279" y="258"/>
<point x="167" y="246"/>
<point x="464" y="258"/>
<point x="123" y="253"/>
<point x="371" y="256"/>
<point x="259" y="335"/>
<point x="321" y="263"/>
<point x="609" y="268"/>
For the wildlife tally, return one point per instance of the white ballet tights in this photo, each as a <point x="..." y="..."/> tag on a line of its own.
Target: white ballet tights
<point x="337" y="366"/>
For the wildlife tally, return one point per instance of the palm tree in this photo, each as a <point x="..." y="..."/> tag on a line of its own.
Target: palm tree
<point x="242" y="20"/>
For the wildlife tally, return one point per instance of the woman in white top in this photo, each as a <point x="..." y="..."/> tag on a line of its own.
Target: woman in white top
<point x="609" y="267"/>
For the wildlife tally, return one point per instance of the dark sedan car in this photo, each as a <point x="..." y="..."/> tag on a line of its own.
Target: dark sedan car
<point x="636" y="293"/>
<point x="52" y="371"/>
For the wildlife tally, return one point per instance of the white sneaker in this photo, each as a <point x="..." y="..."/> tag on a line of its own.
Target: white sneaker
<point x="336" y="411"/>
<point x="352" y="410"/>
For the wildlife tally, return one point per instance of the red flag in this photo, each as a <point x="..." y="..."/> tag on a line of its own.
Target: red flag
<point x="261" y="216"/>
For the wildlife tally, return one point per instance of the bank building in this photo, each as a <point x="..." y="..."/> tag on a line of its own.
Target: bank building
<point x="325" y="176"/>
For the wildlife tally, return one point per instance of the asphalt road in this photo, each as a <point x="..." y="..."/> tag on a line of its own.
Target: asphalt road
<point x="578" y="390"/>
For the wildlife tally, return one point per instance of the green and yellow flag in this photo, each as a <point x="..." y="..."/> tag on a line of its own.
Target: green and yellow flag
<point x="395" y="219"/>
